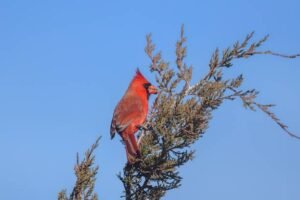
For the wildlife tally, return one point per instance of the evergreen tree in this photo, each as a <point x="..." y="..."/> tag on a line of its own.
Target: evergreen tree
<point x="178" y="118"/>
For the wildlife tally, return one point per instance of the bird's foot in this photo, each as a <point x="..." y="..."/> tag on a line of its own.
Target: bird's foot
<point x="142" y="127"/>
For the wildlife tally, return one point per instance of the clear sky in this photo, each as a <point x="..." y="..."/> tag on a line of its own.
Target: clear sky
<point x="65" y="64"/>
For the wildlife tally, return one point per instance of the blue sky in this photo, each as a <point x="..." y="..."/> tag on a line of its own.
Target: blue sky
<point x="65" y="64"/>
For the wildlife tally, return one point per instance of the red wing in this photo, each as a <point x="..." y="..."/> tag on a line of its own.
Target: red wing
<point x="129" y="110"/>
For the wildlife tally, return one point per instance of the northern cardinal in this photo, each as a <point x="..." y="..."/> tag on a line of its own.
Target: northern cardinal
<point x="131" y="112"/>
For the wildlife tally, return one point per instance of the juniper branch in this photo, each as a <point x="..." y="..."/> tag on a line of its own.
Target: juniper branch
<point x="264" y="108"/>
<point x="181" y="113"/>
<point x="85" y="172"/>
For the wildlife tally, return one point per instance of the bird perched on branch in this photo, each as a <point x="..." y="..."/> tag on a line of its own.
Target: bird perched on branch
<point x="131" y="113"/>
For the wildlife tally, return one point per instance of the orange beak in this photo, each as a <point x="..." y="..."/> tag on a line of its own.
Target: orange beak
<point x="152" y="89"/>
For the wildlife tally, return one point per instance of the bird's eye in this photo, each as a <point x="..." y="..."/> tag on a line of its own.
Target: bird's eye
<point x="147" y="85"/>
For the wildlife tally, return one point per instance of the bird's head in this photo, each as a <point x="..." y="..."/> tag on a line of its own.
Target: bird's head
<point x="143" y="84"/>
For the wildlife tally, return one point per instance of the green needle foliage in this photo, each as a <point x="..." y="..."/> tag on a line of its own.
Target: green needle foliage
<point x="85" y="172"/>
<point x="181" y="113"/>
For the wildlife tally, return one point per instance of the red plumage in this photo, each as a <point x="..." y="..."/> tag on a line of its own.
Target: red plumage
<point x="131" y="112"/>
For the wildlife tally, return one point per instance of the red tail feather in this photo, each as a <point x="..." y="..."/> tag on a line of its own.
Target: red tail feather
<point x="132" y="150"/>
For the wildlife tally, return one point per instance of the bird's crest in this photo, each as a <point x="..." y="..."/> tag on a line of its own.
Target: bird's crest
<point x="139" y="75"/>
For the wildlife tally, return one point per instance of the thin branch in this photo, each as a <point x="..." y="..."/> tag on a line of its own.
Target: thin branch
<point x="265" y="109"/>
<point x="274" y="54"/>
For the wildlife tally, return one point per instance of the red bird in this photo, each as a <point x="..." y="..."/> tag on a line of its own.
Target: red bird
<point x="131" y="113"/>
